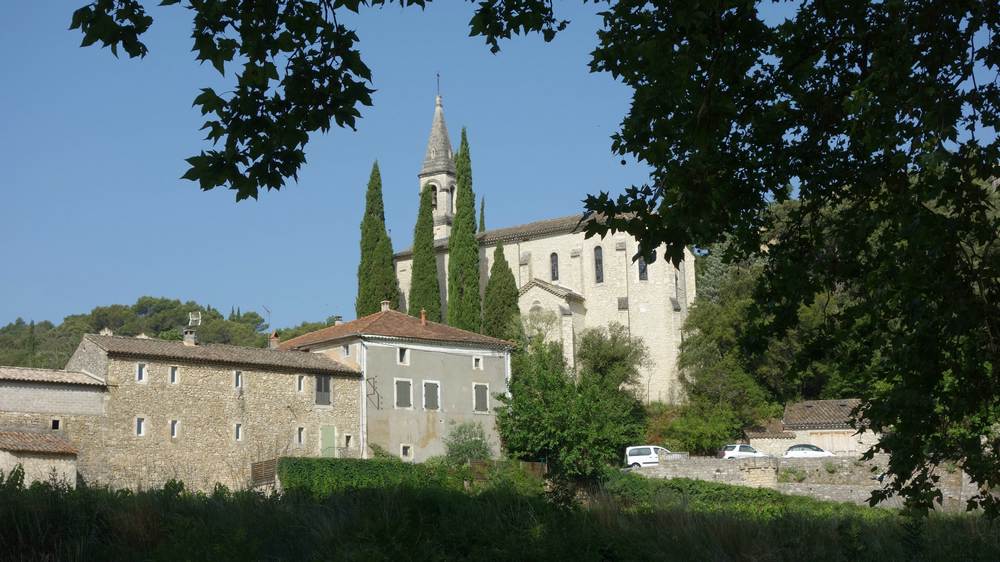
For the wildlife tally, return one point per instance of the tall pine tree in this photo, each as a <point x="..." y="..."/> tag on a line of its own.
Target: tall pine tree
<point x="482" y="215"/>
<point x="463" y="249"/>
<point x="424" y="289"/>
<point x="376" y="274"/>
<point x="500" y="310"/>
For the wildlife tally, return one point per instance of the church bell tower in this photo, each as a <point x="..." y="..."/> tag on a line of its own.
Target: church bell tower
<point x="438" y="174"/>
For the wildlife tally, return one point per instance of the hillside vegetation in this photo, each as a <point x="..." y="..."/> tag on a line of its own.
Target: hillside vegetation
<point x="44" y="344"/>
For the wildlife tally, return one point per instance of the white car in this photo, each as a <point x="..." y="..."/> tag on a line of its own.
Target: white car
<point x="741" y="452"/>
<point x="645" y="455"/>
<point x="806" y="451"/>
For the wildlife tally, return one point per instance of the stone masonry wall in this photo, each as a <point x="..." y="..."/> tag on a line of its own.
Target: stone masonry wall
<point x="846" y="479"/>
<point x="207" y="405"/>
<point x="42" y="397"/>
<point x="39" y="467"/>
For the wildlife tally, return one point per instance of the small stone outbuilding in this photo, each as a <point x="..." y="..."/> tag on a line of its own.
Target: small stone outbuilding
<point x="824" y="423"/>
<point x="44" y="457"/>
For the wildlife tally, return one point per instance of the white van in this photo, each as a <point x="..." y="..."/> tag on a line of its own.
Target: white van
<point x="644" y="455"/>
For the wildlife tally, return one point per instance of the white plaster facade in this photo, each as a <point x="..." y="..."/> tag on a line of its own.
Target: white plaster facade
<point x="654" y="308"/>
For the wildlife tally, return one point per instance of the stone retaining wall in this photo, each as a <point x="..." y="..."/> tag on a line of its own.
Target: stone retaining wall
<point x="845" y="479"/>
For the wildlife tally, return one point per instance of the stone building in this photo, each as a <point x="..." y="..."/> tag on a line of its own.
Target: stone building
<point x="579" y="282"/>
<point x="141" y="411"/>
<point x="44" y="457"/>
<point x="824" y="423"/>
<point x="421" y="378"/>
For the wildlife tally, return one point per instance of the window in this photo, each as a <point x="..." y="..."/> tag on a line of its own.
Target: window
<point x="480" y="398"/>
<point x="404" y="398"/>
<point x="554" y="266"/>
<point x="347" y="441"/>
<point x="406" y="451"/>
<point x="598" y="265"/>
<point x="56" y="424"/>
<point x="747" y="449"/>
<point x="300" y="383"/>
<point x="238" y="433"/>
<point x="300" y="436"/>
<point x="238" y="379"/>
<point x="403" y="356"/>
<point x="173" y="428"/>
<point x="174" y="374"/>
<point x="432" y="395"/>
<point x="477" y="363"/>
<point x="323" y="390"/>
<point x="346" y="351"/>
<point x="140" y="372"/>
<point x="643" y="270"/>
<point x="140" y="426"/>
<point x="434" y="197"/>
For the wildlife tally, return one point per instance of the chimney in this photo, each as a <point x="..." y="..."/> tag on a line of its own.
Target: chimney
<point x="338" y="320"/>
<point x="106" y="331"/>
<point x="385" y="305"/>
<point x="273" y="341"/>
<point x="423" y="316"/>
<point x="190" y="336"/>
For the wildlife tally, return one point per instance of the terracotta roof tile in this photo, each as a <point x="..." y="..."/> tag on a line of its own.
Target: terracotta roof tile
<point x="29" y="374"/>
<point x="557" y="290"/>
<point x="219" y="353"/>
<point x="820" y="414"/>
<point x="771" y="429"/>
<point x="394" y="324"/>
<point x="546" y="227"/>
<point x="31" y="442"/>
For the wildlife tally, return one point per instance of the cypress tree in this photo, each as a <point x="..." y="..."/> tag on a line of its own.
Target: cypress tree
<point x="482" y="215"/>
<point x="424" y="289"/>
<point x="463" y="249"/>
<point x="500" y="310"/>
<point x="376" y="274"/>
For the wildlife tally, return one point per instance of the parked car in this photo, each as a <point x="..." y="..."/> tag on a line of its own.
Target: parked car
<point x="644" y="455"/>
<point x="740" y="452"/>
<point x="806" y="451"/>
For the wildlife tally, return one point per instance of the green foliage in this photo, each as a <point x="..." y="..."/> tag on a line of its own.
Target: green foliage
<point x="463" y="249"/>
<point x="501" y="314"/>
<point x="792" y="474"/>
<point x="321" y="477"/>
<point x="425" y="293"/>
<point x="376" y="274"/>
<point x="46" y="345"/>
<point x="482" y="215"/>
<point x="467" y="442"/>
<point x="579" y="423"/>
<point x="504" y="518"/>
<point x="304" y="328"/>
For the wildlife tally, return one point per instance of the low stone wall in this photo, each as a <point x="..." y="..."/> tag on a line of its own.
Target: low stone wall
<point x="759" y="472"/>
<point x="845" y="479"/>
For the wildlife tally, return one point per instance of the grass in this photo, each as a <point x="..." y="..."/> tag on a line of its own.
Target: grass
<point x="626" y="518"/>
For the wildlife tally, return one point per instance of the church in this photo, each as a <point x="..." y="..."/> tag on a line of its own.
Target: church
<point x="575" y="282"/>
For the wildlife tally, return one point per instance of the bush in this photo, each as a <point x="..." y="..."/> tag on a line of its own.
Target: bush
<point x="792" y="474"/>
<point x="467" y="442"/>
<point x="322" y="477"/>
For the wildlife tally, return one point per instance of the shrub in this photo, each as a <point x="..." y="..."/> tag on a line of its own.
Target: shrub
<point x="322" y="477"/>
<point x="830" y="467"/>
<point x="467" y="442"/>
<point x="792" y="474"/>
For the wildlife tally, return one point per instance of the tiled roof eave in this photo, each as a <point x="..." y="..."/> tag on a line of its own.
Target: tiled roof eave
<point x="234" y="363"/>
<point x="469" y="344"/>
<point x="807" y="426"/>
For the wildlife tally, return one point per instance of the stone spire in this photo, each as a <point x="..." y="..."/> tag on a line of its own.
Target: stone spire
<point x="439" y="157"/>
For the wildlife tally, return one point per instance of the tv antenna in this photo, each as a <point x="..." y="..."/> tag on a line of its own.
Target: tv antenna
<point x="268" y="311"/>
<point x="194" y="318"/>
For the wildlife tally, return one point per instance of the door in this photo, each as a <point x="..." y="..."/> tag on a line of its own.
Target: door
<point x="328" y="441"/>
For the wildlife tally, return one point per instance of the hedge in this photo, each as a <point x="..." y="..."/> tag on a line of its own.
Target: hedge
<point x="322" y="477"/>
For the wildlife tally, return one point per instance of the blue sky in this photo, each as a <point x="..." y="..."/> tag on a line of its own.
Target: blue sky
<point x="93" y="147"/>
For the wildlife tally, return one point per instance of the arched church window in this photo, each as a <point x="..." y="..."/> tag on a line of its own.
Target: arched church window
<point x="598" y="265"/>
<point x="554" y="262"/>
<point x="643" y="270"/>
<point x="434" y="197"/>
